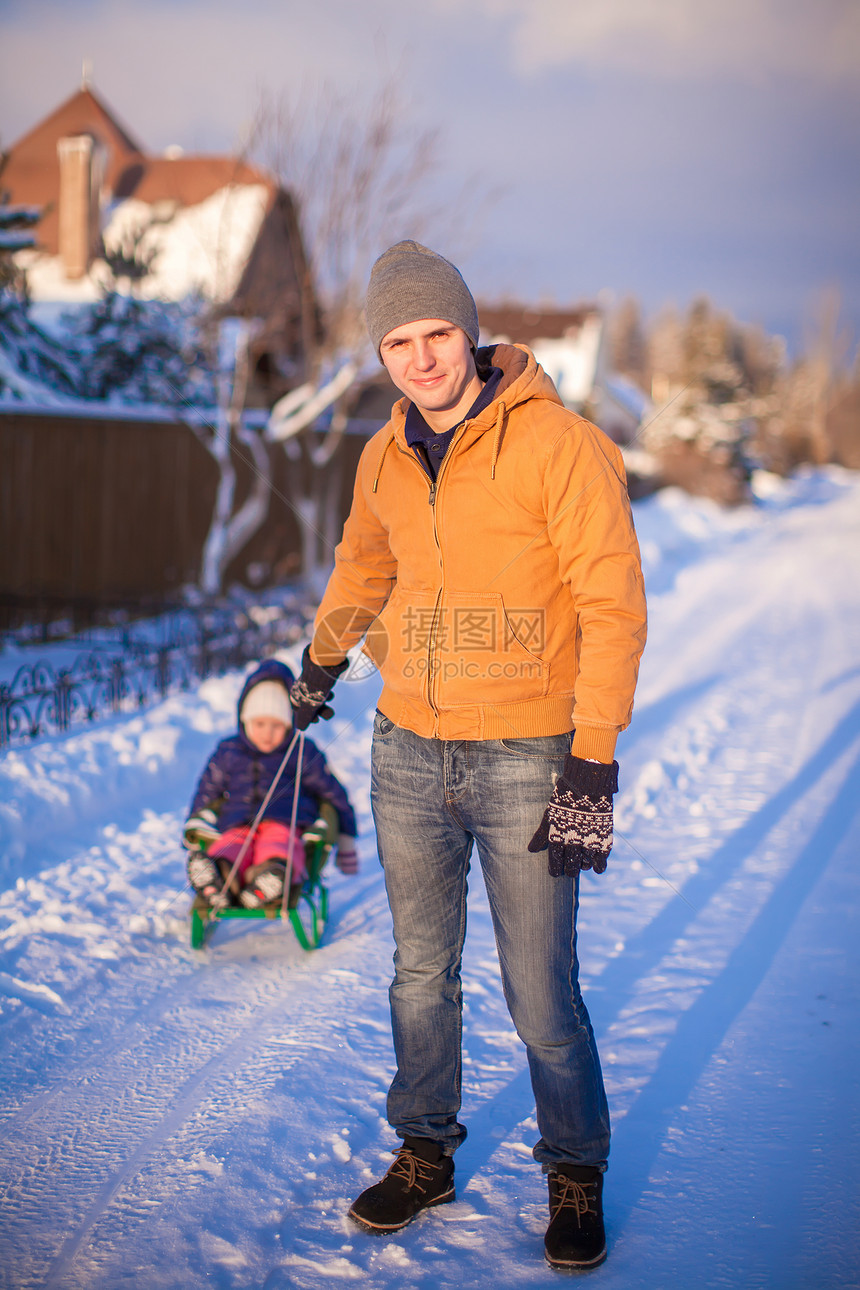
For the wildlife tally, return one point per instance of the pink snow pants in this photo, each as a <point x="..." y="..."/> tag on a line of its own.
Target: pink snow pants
<point x="272" y="841"/>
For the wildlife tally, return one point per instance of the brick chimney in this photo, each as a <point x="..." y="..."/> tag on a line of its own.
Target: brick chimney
<point x="79" y="202"/>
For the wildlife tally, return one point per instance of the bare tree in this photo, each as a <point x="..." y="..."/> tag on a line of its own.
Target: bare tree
<point x="357" y="180"/>
<point x="229" y="531"/>
<point x="360" y="180"/>
<point x="627" y="346"/>
<point x="808" y="391"/>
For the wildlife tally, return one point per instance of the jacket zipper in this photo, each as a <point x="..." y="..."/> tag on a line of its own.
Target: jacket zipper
<point x="407" y="452"/>
<point x="436" y="621"/>
<point x="436" y="624"/>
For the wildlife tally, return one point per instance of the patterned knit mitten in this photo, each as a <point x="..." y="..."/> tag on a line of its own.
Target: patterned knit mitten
<point x="577" y="824"/>
<point x="310" y="692"/>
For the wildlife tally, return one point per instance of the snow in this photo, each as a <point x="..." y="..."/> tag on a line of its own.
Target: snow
<point x="119" y="356"/>
<point x="178" y="1118"/>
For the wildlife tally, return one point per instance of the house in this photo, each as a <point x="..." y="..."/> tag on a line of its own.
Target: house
<point x="163" y="227"/>
<point x="117" y="498"/>
<point x="570" y="346"/>
<point x="566" y="343"/>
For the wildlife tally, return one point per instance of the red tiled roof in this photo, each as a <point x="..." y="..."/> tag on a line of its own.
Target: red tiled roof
<point x="189" y="180"/>
<point x="83" y="113"/>
<point x="32" y="172"/>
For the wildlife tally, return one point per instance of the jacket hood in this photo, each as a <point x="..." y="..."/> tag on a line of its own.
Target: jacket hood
<point x="271" y="670"/>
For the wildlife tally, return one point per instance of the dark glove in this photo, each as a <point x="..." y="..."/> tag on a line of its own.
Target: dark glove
<point x="577" y="823"/>
<point x="308" y="695"/>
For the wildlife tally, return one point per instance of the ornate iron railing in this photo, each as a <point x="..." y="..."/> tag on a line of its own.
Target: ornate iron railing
<point x="42" y="699"/>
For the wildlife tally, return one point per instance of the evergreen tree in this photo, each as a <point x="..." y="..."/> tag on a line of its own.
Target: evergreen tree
<point x="34" y="367"/>
<point x="141" y="351"/>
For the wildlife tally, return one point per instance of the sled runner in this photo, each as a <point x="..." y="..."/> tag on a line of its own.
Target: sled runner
<point x="306" y="906"/>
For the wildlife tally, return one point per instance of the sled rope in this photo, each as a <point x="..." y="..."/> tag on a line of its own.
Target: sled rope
<point x="289" y="873"/>
<point x="243" y="850"/>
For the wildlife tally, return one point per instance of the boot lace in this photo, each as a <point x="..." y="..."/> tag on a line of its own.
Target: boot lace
<point x="412" y="1169"/>
<point x="574" y="1195"/>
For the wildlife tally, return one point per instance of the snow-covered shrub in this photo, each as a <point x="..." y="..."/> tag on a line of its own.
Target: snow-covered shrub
<point x="141" y="351"/>
<point x="34" y="366"/>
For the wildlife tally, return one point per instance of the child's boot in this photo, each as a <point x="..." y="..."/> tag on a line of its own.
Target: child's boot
<point x="264" y="884"/>
<point x="204" y="875"/>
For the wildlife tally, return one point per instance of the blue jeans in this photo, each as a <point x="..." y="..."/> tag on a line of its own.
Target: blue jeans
<point x="431" y="800"/>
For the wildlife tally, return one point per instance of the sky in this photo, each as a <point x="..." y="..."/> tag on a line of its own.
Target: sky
<point x="585" y="148"/>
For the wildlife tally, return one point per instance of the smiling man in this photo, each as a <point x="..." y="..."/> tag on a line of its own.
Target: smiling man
<point x="490" y="559"/>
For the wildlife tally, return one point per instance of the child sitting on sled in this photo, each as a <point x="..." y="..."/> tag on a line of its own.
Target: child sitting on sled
<point x="231" y="790"/>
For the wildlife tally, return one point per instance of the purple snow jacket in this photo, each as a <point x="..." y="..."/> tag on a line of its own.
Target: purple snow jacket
<point x="238" y="775"/>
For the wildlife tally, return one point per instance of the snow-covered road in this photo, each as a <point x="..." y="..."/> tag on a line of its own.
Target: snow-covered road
<point x="173" y="1118"/>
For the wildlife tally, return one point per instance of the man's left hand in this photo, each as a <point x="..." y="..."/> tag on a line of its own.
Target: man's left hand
<point x="576" y="827"/>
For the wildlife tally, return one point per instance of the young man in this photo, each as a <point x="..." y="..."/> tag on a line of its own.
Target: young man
<point x="491" y="559"/>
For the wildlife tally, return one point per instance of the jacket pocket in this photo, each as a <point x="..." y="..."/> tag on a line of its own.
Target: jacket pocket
<point x="487" y="652"/>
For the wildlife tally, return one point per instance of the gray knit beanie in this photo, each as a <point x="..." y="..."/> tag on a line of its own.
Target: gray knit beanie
<point x="410" y="282"/>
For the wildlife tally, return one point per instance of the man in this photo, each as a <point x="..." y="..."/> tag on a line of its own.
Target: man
<point x="491" y="559"/>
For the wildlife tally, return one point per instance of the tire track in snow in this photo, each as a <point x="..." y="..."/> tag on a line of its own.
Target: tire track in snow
<point x="114" y="1113"/>
<point x="126" y="1037"/>
<point x="143" y="1103"/>
<point x="705" y="1022"/>
<point x="360" y="911"/>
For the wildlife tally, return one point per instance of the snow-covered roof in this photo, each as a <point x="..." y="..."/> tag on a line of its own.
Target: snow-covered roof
<point x="571" y="362"/>
<point x="198" y="249"/>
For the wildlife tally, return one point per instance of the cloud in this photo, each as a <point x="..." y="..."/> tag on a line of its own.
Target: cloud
<point x="755" y="39"/>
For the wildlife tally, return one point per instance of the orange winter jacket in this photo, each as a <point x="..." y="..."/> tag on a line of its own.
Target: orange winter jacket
<point x="505" y="600"/>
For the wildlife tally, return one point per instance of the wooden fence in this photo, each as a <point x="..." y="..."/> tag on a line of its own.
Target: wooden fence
<point x="99" y="513"/>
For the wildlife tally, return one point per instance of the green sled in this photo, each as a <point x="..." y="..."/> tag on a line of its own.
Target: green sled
<point x="307" y="907"/>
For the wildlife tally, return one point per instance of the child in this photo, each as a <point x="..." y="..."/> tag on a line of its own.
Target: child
<point x="231" y="791"/>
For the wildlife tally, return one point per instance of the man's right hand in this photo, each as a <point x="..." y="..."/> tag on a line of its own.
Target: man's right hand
<point x="310" y="692"/>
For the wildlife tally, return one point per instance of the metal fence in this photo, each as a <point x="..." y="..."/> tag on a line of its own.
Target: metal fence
<point x="44" y="699"/>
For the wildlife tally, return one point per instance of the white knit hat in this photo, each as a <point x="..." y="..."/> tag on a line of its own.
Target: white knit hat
<point x="267" y="699"/>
